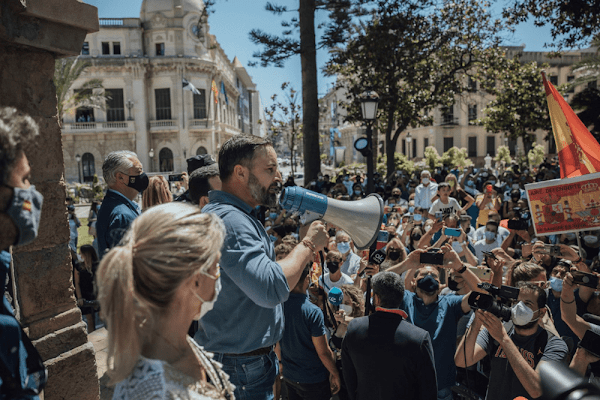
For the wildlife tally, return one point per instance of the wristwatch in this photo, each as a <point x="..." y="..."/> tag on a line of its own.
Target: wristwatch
<point x="463" y="269"/>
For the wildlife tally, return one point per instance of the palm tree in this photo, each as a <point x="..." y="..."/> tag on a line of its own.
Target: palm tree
<point x="66" y="72"/>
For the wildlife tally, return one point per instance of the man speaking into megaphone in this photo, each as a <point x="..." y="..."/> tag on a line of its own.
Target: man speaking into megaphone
<point x="247" y="318"/>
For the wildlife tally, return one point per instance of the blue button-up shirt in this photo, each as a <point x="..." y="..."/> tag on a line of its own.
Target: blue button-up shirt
<point x="114" y="218"/>
<point x="248" y="313"/>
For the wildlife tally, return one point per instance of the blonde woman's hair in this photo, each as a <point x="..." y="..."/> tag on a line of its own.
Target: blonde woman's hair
<point x="137" y="281"/>
<point x="157" y="192"/>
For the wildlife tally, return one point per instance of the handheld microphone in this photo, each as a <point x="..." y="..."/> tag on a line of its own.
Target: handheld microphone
<point x="335" y="296"/>
<point x="377" y="257"/>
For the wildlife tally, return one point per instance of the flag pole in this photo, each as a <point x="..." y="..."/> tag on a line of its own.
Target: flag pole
<point x="182" y="97"/>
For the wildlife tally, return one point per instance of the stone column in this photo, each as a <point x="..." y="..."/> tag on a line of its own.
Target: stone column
<point x="33" y="33"/>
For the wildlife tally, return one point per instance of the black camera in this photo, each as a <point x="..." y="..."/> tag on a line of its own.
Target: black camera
<point x="432" y="257"/>
<point x="521" y="221"/>
<point x="175" y="178"/>
<point x="488" y="302"/>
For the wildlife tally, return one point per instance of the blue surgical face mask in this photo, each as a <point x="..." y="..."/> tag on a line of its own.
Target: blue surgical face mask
<point x="273" y="238"/>
<point x="411" y="209"/>
<point x="470" y="183"/>
<point x="490" y="235"/>
<point x="25" y="210"/>
<point x="357" y="192"/>
<point x="556" y="284"/>
<point x="571" y="236"/>
<point x="417" y="217"/>
<point x="343" y="247"/>
<point x="273" y="216"/>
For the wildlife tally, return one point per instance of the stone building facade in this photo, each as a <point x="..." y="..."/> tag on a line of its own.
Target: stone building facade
<point x="452" y="127"/>
<point x="142" y="63"/>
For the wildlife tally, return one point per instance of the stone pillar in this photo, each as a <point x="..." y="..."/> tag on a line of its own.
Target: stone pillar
<point x="33" y="33"/>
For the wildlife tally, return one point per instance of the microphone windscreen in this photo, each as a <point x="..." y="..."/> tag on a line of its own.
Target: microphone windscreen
<point x="335" y="296"/>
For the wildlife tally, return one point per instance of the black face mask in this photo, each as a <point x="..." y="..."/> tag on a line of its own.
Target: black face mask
<point x="138" y="182"/>
<point x="394" y="255"/>
<point x="452" y="285"/>
<point x="333" y="266"/>
<point x="428" y="284"/>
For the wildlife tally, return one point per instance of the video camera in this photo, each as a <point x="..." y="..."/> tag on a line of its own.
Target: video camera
<point x="521" y="223"/>
<point x="488" y="302"/>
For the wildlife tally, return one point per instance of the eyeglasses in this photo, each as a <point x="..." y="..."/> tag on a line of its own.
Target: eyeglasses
<point x="541" y="284"/>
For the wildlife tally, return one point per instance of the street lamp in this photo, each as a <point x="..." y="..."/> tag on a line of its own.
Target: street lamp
<point x="78" y="159"/>
<point x="129" y="107"/>
<point x="408" y="142"/>
<point x="369" y="101"/>
<point x="151" y="155"/>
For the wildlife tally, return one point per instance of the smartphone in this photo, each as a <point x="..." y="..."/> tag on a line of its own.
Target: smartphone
<point x="489" y="254"/>
<point x="452" y="232"/>
<point x="432" y="257"/>
<point x="591" y="342"/>
<point x="585" y="279"/>
<point x="518" y="225"/>
<point x="484" y="274"/>
<point x="175" y="178"/>
<point x="382" y="239"/>
<point x="551" y="249"/>
<point x="439" y="215"/>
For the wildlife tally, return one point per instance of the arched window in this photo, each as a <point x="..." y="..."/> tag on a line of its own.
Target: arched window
<point x="165" y="159"/>
<point x="89" y="169"/>
<point x="201" y="150"/>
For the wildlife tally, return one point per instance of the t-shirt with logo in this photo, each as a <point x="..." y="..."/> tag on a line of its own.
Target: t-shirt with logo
<point x="452" y="207"/>
<point x="504" y="384"/>
<point x="327" y="283"/>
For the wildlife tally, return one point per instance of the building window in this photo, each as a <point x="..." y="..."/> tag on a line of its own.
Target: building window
<point x="425" y="145"/>
<point x="165" y="160"/>
<point x="512" y="147"/>
<point x="200" y="105"/>
<point x="473" y="146"/>
<point x="105" y="48"/>
<point x="570" y="78"/>
<point x="116" y="48"/>
<point x="472" y="85"/>
<point x="163" y="103"/>
<point x="472" y="114"/>
<point x="83" y="112"/>
<point x="201" y="150"/>
<point x="491" y="146"/>
<point x="448" y="143"/>
<point x="404" y="147"/>
<point x="89" y="169"/>
<point x="414" y="148"/>
<point x="448" y="115"/>
<point x="115" y="107"/>
<point x="160" y="49"/>
<point x="554" y="80"/>
<point x="85" y="49"/>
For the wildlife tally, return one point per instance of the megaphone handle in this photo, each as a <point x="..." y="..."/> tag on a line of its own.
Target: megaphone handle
<point x="368" y="298"/>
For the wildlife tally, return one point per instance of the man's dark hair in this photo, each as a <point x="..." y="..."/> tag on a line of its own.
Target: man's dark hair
<point x="199" y="185"/>
<point x="492" y="222"/>
<point x="541" y="293"/>
<point x="16" y="129"/>
<point x="390" y="289"/>
<point x="443" y="185"/>
<point x="239" y="150"/>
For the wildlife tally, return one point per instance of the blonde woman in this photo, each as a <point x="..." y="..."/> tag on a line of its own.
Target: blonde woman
<point x="164" y="276"/>
<point x="157" y="192"/>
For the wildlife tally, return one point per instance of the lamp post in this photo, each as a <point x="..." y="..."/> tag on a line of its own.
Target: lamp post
<point x="78" y="159"/>
<point x="408" y="142"/>
<point x="368" y="105"/>
<point x="129" y="107"/>
<point x="151" y="155"/>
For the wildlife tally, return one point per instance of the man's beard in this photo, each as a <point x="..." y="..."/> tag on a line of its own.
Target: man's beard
<point x="261" y="194"/>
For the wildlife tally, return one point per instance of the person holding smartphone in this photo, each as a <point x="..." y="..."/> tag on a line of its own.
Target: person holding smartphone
<point x="487" y="202"/>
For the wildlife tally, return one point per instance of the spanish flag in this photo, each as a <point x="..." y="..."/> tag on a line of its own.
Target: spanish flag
<point x="215" y="89"/>
<point x="578" y="151"/>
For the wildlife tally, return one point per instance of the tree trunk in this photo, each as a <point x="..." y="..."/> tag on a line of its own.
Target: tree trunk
<point x="310" y="95"/>
<point x="390" y="150"/>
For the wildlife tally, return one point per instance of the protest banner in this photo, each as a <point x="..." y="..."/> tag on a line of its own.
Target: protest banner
<point x="565" y="205"/>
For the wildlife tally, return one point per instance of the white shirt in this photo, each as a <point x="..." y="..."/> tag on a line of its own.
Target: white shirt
<point x="424" y="194"/>
<point x="482" y="246"/>
<point x="351" y="265"/>
<point x="452" y="207"/>
<point x="502" y="234"/>
<point x="344" y="280"/>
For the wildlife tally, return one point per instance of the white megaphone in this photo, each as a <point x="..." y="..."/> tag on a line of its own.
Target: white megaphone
<point x="361" y="219"/>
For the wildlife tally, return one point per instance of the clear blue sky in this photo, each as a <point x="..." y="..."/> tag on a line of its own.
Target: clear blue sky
<point x="232" y="20"/>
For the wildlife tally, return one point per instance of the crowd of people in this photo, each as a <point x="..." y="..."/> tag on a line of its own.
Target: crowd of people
<point x="218" y="292"/>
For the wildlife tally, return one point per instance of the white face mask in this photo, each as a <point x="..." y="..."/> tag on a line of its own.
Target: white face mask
<point x="522" y="315"/>
<point x="207" y="305"/>
<point x="425" y="181"/>
<point x="346" y="308"/>
<point x="427" y="228"/>
<point x="590" y="239"/>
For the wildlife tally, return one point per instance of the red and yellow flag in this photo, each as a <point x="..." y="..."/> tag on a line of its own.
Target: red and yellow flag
<point x="578" y="151"/>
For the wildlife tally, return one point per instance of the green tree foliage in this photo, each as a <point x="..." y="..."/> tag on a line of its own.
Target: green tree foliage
<point x="401" y="163"/>
<point x="432" y="158"/>
<point x="285" y="118"/>
<point x="456" y="157"/>
<point x="66" y="72"/>
<point x="417" y="56"/>
<point x="573" y="22"/>
<point x="585" y="104"/>
<point x="536" y="155"/>
<point x="520" y="107"/>
<point x="299" y="38"/>
<point x="503" y="154"/>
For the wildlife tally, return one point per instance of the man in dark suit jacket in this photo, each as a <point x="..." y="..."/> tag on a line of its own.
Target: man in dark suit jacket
<point x="125" y="177"/>
<point x="384" y="356"/>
